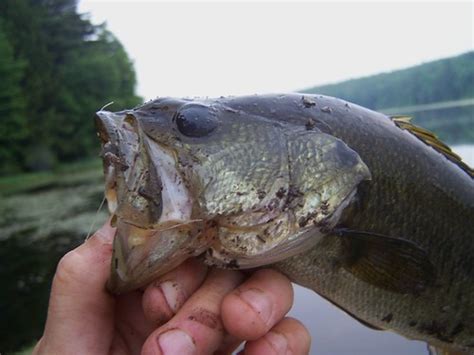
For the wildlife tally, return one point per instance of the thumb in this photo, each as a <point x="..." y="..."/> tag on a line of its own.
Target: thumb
<point x="81" y="311"/>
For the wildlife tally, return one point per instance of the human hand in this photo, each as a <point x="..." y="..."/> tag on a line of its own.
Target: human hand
<point x="190" y="310"/>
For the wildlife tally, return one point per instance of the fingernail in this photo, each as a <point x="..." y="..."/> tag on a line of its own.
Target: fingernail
<point x="278" y="342"/>
<point x="259" y="302"/>
<point x="173" y="295"/>
<point x="176" y="342"/>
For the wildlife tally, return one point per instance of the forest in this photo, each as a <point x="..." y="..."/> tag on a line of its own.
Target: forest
<point x="441" y="80"/>
<point x="446" y="83"/>
<point x="56" y="70"/>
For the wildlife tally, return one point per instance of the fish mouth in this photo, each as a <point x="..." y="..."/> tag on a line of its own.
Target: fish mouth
<point x="105" y="126"/>
<point x="140" y="173"/>
<point x="151" y="205"/>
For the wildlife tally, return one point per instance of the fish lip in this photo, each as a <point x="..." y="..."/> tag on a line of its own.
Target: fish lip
<point x="102" y="126"/>
<point x="117" y="153"/>
<point x="126" y="149"/>
<point x="106" y="128"/>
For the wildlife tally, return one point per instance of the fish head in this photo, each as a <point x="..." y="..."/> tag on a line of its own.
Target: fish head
<point x="201" y="177"/>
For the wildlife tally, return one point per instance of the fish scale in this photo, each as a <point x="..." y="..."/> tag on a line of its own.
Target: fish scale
<point x="370" y="211"/>
<point x="430" y="203"/>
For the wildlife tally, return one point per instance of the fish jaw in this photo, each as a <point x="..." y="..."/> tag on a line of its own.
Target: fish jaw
<point x="140" y="255"/>
<point x="152" y="207"/>
<point x="143" y="186"/>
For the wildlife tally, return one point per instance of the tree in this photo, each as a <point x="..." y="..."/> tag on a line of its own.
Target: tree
<point x="13" y="130"/>
<point x="71" y="69"/>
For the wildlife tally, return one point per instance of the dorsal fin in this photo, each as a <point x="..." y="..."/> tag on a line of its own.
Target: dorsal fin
<point x="432" y="140"/>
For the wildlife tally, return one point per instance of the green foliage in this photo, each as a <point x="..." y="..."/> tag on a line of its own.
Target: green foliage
<point x="64" y="70"/>
<point x="13" y="131"/>
<point x="441" y="80"/>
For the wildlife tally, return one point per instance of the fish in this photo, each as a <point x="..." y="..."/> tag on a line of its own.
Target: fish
<point x="370" y="211"/>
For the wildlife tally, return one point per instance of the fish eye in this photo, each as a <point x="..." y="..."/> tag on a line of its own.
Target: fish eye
<point x="195" y="120"/>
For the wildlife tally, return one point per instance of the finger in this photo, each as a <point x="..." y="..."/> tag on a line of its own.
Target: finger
<point x="80" y="301"/>
<point x="228" y="345"/>
<point x="132" y="327"/>
<point x="287" y="337"/>
<point x="164" y="297"/>
<point x="257" y="305"/>
<point x="197" y="327"/>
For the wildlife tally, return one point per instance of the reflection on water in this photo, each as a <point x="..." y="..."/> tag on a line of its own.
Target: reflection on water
<point x="40" y="224"/>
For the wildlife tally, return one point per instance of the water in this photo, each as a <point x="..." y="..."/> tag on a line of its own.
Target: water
<point x="336" y="333"/>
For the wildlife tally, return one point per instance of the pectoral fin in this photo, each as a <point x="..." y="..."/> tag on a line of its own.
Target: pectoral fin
<point x="393" y="264"/>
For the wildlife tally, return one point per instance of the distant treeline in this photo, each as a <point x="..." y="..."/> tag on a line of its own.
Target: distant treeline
<point x="438" y="81"/>
<point x="56" y="70"/>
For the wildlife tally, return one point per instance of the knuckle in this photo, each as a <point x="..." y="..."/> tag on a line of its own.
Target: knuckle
<point x="206" y="318"/>
<point x="155" y="306"/>
<point x="68" y="268"/>
<point x="240" y="319"/>
<point x="299" y="336"/>
<point x="275" y="282"/>
<point x="297" y="324"/>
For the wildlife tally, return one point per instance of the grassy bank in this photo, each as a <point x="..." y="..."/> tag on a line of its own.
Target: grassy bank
<point x="14" y="184"/>
<point x="42" y="216"/>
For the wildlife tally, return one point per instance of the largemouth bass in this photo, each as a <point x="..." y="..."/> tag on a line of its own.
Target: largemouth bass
<point x="369" y="211"/>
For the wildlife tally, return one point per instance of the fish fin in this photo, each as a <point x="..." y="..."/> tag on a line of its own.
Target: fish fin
<point x="393" y="264"/>
<point x="432" y="140"/>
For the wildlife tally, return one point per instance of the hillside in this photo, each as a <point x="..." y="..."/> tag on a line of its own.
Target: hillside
<point x="447" y="84"/>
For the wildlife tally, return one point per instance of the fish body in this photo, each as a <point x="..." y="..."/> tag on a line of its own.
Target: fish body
<point x="370" y="212"/>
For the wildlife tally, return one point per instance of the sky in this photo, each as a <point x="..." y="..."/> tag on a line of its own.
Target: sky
<point x="214" y="49"/>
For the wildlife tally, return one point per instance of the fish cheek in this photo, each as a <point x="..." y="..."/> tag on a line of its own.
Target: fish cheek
<point x="325" y="173"/>
<point x="346" y="158"/>
<point x="242" y="168"/>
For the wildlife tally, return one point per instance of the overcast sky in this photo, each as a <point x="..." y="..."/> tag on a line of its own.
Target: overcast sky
<point x="213" y="49"/>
